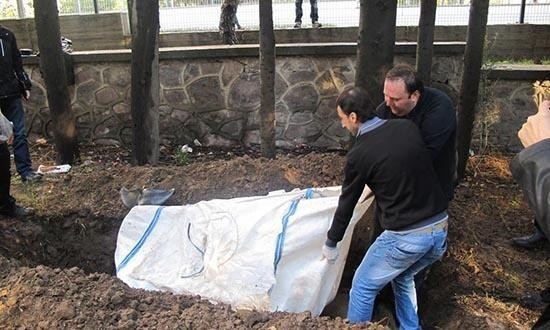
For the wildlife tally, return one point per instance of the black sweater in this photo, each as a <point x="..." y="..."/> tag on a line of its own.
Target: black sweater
<point x="13" y="79"/>
<point x="435" y="117"/>
<point x="396" y="165"/>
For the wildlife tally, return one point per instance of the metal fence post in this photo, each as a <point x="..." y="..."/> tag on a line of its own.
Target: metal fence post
<point x="21" y="9"/>
<point x="522" y="12"/>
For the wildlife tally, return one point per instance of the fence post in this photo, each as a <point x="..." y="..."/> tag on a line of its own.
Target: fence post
<point x="522" y="12"/>
<point x="21" y="9"/>
<point x="95" y="7"/>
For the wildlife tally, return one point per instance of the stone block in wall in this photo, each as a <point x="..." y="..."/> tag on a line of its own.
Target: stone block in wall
<point x="244" y="94"/>
<point x="301" y="97"/>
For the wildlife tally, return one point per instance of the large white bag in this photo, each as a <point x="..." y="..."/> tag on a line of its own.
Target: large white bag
<point x="260" y="252"/>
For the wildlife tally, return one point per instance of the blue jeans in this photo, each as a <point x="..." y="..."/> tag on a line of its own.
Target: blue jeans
<point x="12" y="108"/>
<point x="395" y="257"/>
<point x="314" y="11"/>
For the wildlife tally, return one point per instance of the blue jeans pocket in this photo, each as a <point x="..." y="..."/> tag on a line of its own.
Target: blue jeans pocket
<point x="407" y="250"/>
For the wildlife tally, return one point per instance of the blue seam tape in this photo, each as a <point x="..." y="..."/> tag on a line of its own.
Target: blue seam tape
<point x="282" y="234"/>
<point x="141" y="241"/>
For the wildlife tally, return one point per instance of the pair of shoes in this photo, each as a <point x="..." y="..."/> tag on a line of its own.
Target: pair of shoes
<point x="530" y="242"/>
<point x="16" y="212"/>
<point x="297" y="25"/>
<point x="31" y="177"/>
<point x="316" y="25"/>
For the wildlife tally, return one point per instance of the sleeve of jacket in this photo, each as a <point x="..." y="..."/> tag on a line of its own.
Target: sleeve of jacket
<point x="352" y="188"/>
<point x="439" y="125"/>
<point x="6" y="128"/>
<point x="18" y="65"/>
<point x="531" y="170"/>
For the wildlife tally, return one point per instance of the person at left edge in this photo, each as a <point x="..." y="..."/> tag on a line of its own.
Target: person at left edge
<point x="8" y="207"/>
<point x="409" y="200"/>
<point x="14" y="85"/>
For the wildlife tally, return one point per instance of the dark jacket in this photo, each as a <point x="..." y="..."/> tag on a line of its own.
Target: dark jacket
<point x="531" y="170"/>
<point x="13" y="79"/>
<point x="435" y="117"/>
<point x="394" y="162"/>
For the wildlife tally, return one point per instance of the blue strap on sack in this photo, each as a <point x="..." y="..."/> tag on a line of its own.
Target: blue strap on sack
<point x="141" y="241"/>
<point x="281" y="237"/>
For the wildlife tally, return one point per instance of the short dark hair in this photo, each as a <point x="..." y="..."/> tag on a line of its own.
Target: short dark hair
<point x="355" y="99"/>
<point x="409" y="76"/>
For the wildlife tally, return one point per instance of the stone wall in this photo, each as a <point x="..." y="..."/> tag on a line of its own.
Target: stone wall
<point x="216" y="100"/>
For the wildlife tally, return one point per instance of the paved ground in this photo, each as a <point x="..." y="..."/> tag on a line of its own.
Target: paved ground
<point x="342" y="13"/>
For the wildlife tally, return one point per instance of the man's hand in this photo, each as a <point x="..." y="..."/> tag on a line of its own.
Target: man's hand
<point x="537" y="127"/>
<point x="10" y="140"/>
<point x="330" y="253"/>
<point x="27" y="95"/>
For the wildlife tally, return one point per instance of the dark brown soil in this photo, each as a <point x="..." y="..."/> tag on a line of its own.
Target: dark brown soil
<point x="56" y="268"/>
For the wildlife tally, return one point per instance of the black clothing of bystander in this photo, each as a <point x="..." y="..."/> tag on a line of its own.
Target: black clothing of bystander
<point x="15" y="85"/>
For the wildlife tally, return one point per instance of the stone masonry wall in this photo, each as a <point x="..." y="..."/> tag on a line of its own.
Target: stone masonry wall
<point x="217" y="101"/>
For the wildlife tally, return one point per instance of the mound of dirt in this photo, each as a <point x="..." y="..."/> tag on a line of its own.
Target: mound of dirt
<point x="57" y="267"/>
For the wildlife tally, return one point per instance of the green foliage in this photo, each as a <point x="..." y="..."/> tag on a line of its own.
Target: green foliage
<point x="8" y="9"/>
<point x="181" y="157"/>
<point x="525" y="61"/>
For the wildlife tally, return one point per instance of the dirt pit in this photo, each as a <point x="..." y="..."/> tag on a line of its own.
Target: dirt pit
<point x="57" y="267"/>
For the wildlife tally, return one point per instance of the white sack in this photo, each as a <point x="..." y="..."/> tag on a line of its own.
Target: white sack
<point x="260" y="252"/>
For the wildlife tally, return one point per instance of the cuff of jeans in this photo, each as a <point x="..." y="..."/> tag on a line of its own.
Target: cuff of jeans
<point x="330" y="243"/>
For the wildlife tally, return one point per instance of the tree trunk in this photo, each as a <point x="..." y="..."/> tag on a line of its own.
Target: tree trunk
<point x="375" y="49"/>
<point x="228" y="17"/>
<point x="425" y="39"/>
<point x="473" y="58"/>
<point x="53" y="71"/>
<point x="145" y="81"/>
<point x="267" y="79"/>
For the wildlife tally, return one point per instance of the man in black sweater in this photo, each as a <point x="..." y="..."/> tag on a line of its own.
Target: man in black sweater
<point x="406" y="97"/>
<point x="432" y="111"/>
<point x="392" y="159"/>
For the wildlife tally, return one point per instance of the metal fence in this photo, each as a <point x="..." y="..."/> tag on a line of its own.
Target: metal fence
<point x="203" y="15"/>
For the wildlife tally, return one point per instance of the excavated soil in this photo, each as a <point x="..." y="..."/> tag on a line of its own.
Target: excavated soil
<point x="57" y="266"/>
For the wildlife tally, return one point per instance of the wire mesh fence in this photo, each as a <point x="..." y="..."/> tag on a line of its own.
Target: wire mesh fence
<point x="203" y="15"/>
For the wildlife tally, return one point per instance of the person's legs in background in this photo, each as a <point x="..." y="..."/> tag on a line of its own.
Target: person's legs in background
<point x="314" y="14"/>
<point x="299" y="13"/>
<point x="12" y="108"/>
<point x="7" y="203"/>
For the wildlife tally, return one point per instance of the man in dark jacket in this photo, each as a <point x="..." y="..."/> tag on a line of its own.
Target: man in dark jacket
<point x="14" y="85"/>
<point x="534" y="159"/>
<point x="390" y="157"/>
<point x="531" y="170"/>
<point x="7" y="202"/>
